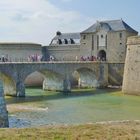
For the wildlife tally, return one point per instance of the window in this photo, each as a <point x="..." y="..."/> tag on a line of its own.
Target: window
<point x="66" y="41"/>
<point x="106" y="41"/>
<point x="72" y="41"/>
<point x="97" y="42"/>
<point x="102" y="36"/>
<point x="84" y="36"/>
<point x="92" y="42"/>
<point x="120" y="35"/>
<point x="59" y="41"/>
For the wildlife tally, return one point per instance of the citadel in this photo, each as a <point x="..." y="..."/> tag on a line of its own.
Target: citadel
<point x="105" y="54"/>
<point x="103" y="42"/>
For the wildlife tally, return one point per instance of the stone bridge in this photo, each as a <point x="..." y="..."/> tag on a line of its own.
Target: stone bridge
<point x="57" y="75"/>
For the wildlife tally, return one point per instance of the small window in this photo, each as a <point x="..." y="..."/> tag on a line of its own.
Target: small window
<point x="84" y="36"/>
<point x="72" y="41"/>
<point x="120" y="43"/>
<point x="59" y="41"/>
<point x="120" y="35"/>
<point x="97" y="42"/>
<point x="66" y="41"/>
<point x="106" y="41"/>
<point x="102" y="36"/>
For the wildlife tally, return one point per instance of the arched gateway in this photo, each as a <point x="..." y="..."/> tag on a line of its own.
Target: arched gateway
<point x="102" y="55"/>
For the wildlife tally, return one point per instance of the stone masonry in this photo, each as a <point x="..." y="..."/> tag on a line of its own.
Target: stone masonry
<point x="57" y="75"/>
<point x="3" y="111"/>
<point x="131" y="82"/>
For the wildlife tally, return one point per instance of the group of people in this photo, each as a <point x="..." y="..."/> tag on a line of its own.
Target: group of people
<point x="92" y="58"/>
<point x="83" y="58"/>
<point x="3" y="59"/>
<point x="51" y="58"/>
<point x="34" y="58"/>
<point x="38" y="58"/>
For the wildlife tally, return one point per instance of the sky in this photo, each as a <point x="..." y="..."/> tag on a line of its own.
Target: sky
<point x="38" y="21"/>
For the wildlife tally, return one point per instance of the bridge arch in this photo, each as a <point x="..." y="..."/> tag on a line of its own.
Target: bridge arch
<point x="51" y="80"/>
<point x="9" y="84"/>
<point x="34" y="79"/>
<point x="86" y="77"/>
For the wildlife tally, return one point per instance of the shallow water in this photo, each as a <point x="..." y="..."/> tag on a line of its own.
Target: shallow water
<point x="80" y="106"/>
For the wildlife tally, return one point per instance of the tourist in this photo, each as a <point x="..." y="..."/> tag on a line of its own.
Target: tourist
<point x="76" y="58"/>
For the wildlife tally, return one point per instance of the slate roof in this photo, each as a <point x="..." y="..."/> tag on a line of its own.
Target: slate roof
<point x="67" y="36"/>
<point x="112" y="25"/>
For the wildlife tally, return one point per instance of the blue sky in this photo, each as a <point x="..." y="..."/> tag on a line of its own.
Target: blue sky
<point x="38" y="20"/>
<point x="128" y="10"/>
<point x="101" y="8"/>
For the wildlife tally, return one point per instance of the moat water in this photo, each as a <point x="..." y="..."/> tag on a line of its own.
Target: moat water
<point x="79" y="107"/>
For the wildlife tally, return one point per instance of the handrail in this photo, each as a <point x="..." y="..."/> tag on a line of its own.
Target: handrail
<point x="61" y="62"/>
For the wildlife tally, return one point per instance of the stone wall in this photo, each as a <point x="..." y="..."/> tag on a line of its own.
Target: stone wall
<point x="131" y="82"/>
<point x="64" y="52"/>
<point x="19" y="52"/>
<point x="115" y="74"/>
<point x="3" y="111"/>
<point x="116" y="49"/>
<point x="86" y="45"/>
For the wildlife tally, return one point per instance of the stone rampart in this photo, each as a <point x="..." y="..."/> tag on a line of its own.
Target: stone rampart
<point x="131" y="82"/>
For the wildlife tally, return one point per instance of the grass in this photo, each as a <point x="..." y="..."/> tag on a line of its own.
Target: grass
<point x="114" y="131"/>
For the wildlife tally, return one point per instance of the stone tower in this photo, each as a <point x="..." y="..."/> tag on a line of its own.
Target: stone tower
<point x="131" y="82"/>
<point x="3" y="110"/>
<point x="106" y="40"/>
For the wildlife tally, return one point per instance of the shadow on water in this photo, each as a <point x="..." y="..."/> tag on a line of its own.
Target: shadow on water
<point x="37" y="95"/>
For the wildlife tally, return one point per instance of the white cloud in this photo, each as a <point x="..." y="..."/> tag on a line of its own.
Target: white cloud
<point x="36" y="21"/>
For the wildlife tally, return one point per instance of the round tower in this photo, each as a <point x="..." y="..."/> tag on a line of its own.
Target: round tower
<point x="131" y="82"/>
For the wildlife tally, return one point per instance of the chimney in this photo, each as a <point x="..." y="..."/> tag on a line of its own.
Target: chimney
<point x="58" y="33"/>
